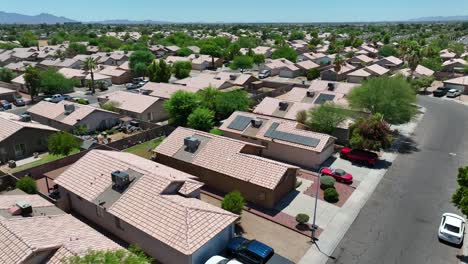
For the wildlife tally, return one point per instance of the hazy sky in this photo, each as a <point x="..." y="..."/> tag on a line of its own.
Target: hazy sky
<point x="240" y="10"/>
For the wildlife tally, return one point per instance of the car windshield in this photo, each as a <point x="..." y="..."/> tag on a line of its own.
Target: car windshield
<point x="452" y="228"/>
<point x="340" y="172"/>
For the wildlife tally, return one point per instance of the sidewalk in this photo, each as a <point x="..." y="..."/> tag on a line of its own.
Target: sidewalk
<point x="340" y="223"/>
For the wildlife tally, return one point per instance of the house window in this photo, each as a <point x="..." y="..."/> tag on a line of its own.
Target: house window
<point x="20" y="150"/>
<point x="118" y="224"/>
<point x="149" y="116"/>
<point x="99" y="211"/>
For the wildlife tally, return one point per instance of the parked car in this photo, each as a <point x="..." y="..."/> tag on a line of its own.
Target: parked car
<point x="249" y="251"/>
<point x="221" y="260"/>
<point x="5" y="104"/>
<point x="131" y="86"/>
<point x="264" y="74"/>
<point x="452" y="228"/>
<point x="339" y="174"/>
<point x="440" y="92"/>
<point x="359" y="155"/>
<point x="57" y="98"/>
<point x="19" y="102"/>
<point x="452" y="93"/>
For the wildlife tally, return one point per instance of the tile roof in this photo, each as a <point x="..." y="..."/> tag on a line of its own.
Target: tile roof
<point x="165" y="90"/>
<point x="269" y="106"/>
<point x="182" y="223"/>
<point x="56" y="111"/>
<point x="224" y="155"/>
<point x="454" y="61"/>
<point x="204" y="80"/>
<point x="10" y="124"/>
<point x="112" y="71"/>
<point x="307" y="65"/>
<point x="460" y="80"/>
<point x="283" y="126"/>
<point x="132" y="102"/>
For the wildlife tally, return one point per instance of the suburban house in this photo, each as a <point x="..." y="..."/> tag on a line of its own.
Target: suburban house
<point x="7" y="94"/>
<point x="277" y="107"/>
<point x="202" y="62"/>
<point x="454" y="65"/>
<point x="368" y="50"/>
<point x="100" y="78"/>
<point x="360" y="60"/>
<point x="419" y="72"/>
<point x="114" y="58"/>
<point x="266" y="51"/>
<point x="460" y="83"/>
<point x="165" y="90"/>
<point x="221" y="80"/>
<point x="20" y="137"/>
<point x="117" y="75"/>
<point x="78" y="75"/>
<point x="67" y="116"/>
<point x="283" y="139"/>
<point x="282" y="67"/>
<point x="329" y="73"/>
<point x="318" y="58"/>
<point x="306" y="66"/>
<point x="20" y="67"/>
<point x="390" y="62"/>
<point x="33" y="230"/>
<point x="146" y="203"/>
<point x="20" y="84"/>
<point x="142" y="107"/>
<point x="158" y="50"/>
<point x="227" y="165"/>
<point x="363" y="74"/>
<point x="446" y="55"/>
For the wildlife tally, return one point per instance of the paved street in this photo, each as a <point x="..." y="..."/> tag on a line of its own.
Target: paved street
<point x="399" y="222"/>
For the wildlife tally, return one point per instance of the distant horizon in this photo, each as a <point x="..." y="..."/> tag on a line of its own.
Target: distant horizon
<point x="242" y="11"/>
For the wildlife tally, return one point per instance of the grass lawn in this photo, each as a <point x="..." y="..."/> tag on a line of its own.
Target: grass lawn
<point x="46" y="158"/>
<point x="144" y="149"/>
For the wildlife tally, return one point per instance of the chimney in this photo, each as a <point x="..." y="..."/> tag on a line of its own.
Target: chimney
<point x="331" y="86"/>
<point x="25" y="208"/>
<point x="191" y="144"/>
<point x="283" y="105"/>
<point x="69" y="108"/>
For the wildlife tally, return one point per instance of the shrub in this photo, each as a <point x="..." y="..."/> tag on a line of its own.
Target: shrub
<point x="27" y="185"/>
<point x="216" y="131"/>
<point x="327" y="182"/>
<point x="82" y="101"/>
<point x="233" y="202"/>
<point x="331" y="195"/>
<point x="302" y="218"/>
<point x="313" y="74"/>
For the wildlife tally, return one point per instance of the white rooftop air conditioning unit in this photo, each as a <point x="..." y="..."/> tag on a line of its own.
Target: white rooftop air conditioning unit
<point x="69" y="108"/>
<point x="25" y="118"/>
<point x="120" y="179"/>
<point x="283" y="106"/>
<point x="191" y="143"/>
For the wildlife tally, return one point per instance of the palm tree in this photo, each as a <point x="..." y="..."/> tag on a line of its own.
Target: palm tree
<point x="413" y="60"/>
<point x="89" y="65"/>
<point x="338" y="63"/>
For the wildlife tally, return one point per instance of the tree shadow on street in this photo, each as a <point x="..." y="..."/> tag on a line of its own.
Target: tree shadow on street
<point x="407" y="145"/>
<point x="462" y="258"/>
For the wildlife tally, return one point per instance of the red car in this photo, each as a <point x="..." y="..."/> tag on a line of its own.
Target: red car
<point x="339" y="174"/>
<point x="359" y="155"/>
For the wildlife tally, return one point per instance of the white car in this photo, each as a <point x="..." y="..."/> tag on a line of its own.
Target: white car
<point x="264" y="74"/>
<point x="452" y="228"/>
<point x="452" y="93"/>
<point x="221" y="260"/>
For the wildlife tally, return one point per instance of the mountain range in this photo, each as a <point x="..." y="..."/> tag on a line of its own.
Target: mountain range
<point x="44" y="18"/>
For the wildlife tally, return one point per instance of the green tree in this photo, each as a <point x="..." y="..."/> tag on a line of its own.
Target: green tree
<point x="229" y="102"/>
<point x="460" y="197"/>
<point x="27" y="185"/>
<point x="233" y="202"/>
<point x="141" y="70"/>
<point x="286" y="53"/>
<point x="371" y="133"/>
<point x="184" y="52"/>
<point x="53" y="82"/>
<point x="242" y="62"/>
<point x="75" y="49"/>
<point x="32" y="80"/>
<point x="258" y="59"/>
<point x="338" y="63"/>
<point x="6" y="75"/>
<point x="313" y="74"/>
<point x="111" y="106"/>
<point x="62" y="143"/>
<point x="232" y="51"/>
<point x="208" y="97"/>
<point x="296" y="34"/>
<point x="211" y="50"/>
<point x="433" y="63"/>
<point x="393" y="97"/>
<point x="144" y="57"/>
<point x="27" y="39"/>
<point x="457" y="48"/>
<point x="182" y="69"/>
<point x="387" y="50"/>
<point x="201" y="119"/>
<point x="134" y="255"/>
<point x="159" y="72"/>
<point x="90" y="64"/>
<point x="326" y="117"/>
<point x="180" y="106"/>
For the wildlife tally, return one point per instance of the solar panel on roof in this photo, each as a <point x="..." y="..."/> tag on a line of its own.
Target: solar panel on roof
<point x="322" y="98"/>
<point x="240" y="123"/>
<point x="290" y="137"/>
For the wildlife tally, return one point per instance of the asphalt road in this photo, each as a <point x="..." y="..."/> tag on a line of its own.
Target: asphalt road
<point x="399" y="222"/>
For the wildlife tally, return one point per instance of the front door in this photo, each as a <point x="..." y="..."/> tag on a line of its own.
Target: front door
<point x="20" y="151"/>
